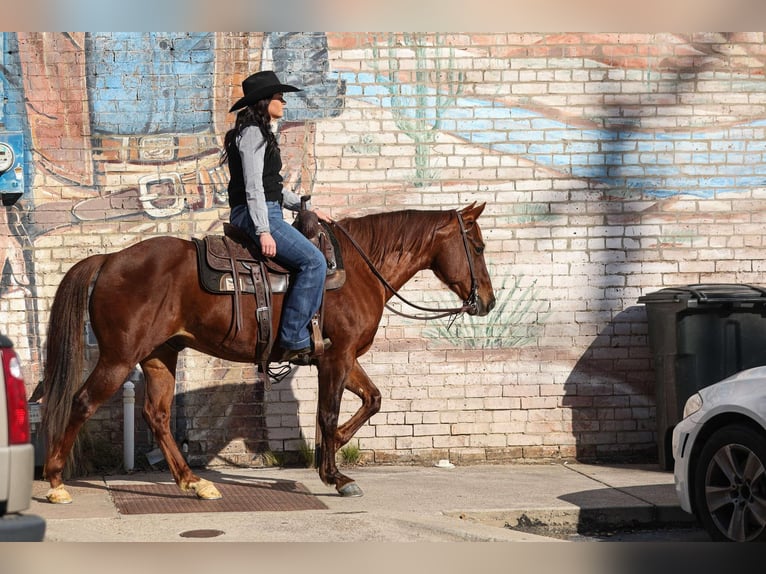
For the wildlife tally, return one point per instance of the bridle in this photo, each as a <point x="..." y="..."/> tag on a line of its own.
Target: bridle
<point x="469" y="305"/>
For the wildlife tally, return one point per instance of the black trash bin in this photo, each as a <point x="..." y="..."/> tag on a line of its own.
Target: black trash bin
<point x="698" y="335"/>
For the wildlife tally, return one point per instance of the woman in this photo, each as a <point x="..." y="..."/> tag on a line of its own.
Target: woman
<point x="256" y="198"/>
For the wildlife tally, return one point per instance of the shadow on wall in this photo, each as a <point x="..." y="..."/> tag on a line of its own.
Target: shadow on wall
<point x="610" y="393"/>
<point x="230" y="424"/>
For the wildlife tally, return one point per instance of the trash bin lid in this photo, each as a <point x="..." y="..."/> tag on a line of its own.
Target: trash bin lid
<point x="707" y="293"/>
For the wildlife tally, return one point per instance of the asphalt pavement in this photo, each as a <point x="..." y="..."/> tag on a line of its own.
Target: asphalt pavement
<point x="476" y="503"/>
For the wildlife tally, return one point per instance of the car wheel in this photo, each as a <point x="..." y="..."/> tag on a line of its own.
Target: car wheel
<point x="730" y="485"/>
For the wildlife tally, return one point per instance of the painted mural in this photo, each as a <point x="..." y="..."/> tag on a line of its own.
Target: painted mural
<point x="613" y="164"/>
<point x="128" y="125"/>
<point x="621" y="154"/>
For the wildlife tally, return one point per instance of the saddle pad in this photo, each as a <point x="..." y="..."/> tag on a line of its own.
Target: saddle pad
<point x="217" y="277"/>
<point x="221" y="251"/>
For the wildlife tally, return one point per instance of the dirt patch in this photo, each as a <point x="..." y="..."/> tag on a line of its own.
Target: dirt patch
<point x="599" y="532"/>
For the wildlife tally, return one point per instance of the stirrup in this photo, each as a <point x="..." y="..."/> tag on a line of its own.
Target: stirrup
<point x="306" y="355"/>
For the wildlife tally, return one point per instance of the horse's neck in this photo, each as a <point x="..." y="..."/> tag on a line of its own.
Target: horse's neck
<point x="396" y="261"/>
<point x="397" y="274"/>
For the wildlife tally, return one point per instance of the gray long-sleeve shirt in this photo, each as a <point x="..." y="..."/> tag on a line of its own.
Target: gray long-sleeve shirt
<point x="252" y="150"/>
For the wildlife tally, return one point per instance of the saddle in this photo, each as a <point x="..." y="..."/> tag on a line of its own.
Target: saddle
<point x="233" y="264"/>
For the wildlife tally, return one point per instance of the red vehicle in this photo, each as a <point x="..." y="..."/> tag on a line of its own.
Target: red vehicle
<point x="16" y="454"/>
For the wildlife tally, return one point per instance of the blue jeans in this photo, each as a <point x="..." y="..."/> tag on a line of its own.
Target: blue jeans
<point x="295" y="252"/>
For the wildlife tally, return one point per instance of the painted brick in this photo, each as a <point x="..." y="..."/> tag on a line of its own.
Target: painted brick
<point x="406" y="443"/>
<point x="608" y="174"/>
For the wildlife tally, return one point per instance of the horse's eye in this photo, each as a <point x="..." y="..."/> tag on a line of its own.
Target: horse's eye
<point x="479" y="249"/>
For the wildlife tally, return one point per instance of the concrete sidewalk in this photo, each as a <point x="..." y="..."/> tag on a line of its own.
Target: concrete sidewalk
<point x="401" y="503"/>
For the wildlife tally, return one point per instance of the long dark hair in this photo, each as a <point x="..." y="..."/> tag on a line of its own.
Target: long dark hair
<point x="256" y="114"/>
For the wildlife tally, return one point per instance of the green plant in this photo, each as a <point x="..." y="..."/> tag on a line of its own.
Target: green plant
<point x="350" y="454"/>
<point x="271" y="458"/>
<point x="306" y="452"/>
<point x="512" y="323"/>
<point x="526" y="213"/>
<point x="418" y="105"/>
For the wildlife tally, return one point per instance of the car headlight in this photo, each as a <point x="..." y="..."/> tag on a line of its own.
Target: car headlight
<point x="692" y="405"/>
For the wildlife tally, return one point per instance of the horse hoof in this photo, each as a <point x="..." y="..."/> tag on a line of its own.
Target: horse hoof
<point x="205" y="490"/>
<point x="350" y="490"/>
<point x="58" y="495"/>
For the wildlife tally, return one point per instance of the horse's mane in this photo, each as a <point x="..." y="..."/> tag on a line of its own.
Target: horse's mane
<point x="404" y="232"/>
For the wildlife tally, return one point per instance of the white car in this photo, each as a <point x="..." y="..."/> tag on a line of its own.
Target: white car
<point x="719" y="450"/>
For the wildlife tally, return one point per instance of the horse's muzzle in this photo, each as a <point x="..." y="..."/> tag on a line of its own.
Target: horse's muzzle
<point x="474" y="305"/>
<point x="477" y="306"/>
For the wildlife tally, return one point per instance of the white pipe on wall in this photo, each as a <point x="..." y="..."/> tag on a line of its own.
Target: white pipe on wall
<point x="128" y="407"/>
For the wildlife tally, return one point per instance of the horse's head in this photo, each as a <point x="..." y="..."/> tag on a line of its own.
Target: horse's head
<point x="459" y="262"/>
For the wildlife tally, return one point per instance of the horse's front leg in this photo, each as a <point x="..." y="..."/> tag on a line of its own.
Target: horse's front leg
<point x="159" y="372"/>
<point x="360" y="384"/>
<point x="331" y="386"/>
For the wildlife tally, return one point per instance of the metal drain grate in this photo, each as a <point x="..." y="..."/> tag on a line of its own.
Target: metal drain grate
<point x="165" y="498"/>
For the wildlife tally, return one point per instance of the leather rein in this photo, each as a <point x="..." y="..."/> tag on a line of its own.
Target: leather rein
<point x="468" y="305"/>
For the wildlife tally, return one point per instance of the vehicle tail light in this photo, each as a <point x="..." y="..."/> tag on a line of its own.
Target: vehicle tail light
<point x="18" y="411"/>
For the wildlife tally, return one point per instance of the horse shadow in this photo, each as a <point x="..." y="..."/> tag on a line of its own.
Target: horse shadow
<point x="237" y="423"/>
<point x="241" y="424"/>
<point x="611" y="394"/>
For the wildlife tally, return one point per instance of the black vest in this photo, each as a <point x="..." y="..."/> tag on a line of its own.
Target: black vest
<point x="272" y="179"/>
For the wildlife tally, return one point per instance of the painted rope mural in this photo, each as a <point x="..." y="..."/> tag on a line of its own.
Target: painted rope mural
<point x="613" y="165"/>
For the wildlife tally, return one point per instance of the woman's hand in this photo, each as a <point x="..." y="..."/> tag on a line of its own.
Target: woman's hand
<point x="322" y="215"/>
<point x="268" y="245"/>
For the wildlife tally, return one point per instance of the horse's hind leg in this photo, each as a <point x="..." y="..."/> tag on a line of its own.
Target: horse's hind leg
<point x="159" y="372"/>
<point x="102" y="383"/>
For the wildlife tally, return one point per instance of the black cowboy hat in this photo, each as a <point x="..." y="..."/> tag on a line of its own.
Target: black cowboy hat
<point x="260" y="85"/>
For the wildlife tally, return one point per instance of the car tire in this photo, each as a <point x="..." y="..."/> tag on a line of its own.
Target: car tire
<point x="730" y="485"/>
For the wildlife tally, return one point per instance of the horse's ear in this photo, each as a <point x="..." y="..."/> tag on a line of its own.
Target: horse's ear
<point x="472" y="212"/>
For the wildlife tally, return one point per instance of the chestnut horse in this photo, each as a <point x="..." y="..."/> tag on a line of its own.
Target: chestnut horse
<point x="146" y="304"/>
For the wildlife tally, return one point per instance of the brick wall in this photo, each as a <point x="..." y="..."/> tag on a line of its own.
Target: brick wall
<point x="612" y="164"/>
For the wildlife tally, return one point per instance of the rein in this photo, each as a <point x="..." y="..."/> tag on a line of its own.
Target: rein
<point x="468" y="305"/>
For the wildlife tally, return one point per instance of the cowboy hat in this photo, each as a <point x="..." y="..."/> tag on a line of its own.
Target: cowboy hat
<point x="260" y="85"/>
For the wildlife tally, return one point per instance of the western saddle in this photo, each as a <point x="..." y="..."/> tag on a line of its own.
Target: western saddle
<point x="233" y="264"/>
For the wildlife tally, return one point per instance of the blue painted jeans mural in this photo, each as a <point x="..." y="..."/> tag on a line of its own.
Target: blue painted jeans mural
<point x="150" y="83"/>
<point x="293" y="250"/>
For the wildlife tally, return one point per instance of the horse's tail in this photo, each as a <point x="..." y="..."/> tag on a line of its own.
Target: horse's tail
<point x="62" y="376"/>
